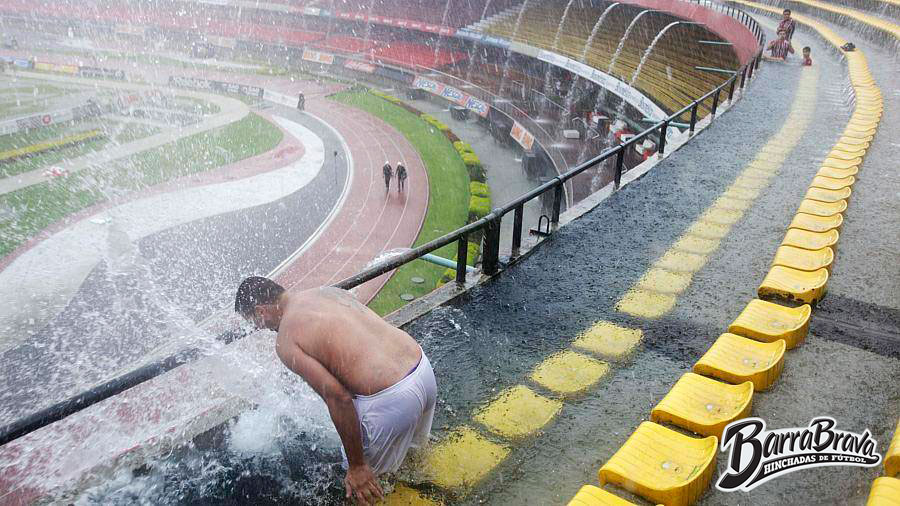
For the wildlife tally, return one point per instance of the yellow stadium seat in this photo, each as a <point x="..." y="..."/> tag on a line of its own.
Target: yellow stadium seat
<point x="768" y="322"/>
<point x="590" y="495"/>
<point x="569" y="373"/>
<point x="662" y="465"/>
<point x="885" y="492"/>
<point x="703" y="405"/>
<point x="892" y="455"/>
<point x="815" y="223"/>
<point x="822" y="208"/>
<point x="824" y="195"/>
<point x="810" y="240"/>
<point x="830" y="183"/>
<point x="794" y="285"/>
<point x="843" y="155"/>
<point x="837" y="173"/>
<point x="736" y="359"/>
<point x="839" y="163"/>
<point x="517" y="412"/>
<point x="804" y="259"/>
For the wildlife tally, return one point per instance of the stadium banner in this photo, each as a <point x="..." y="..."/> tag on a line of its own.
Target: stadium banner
<point x="619" y="88"/>
<point x="452" y="94"/>
<point x="62" y="68"/>
<point x="522" y="136"/>
<point x="22" y="63"/>
<point x="318" y="57"/>
<point x="524" y="49"/>
<point x="312" y="11"/>
<point x="395" y="74"/>
<point x="360" y="66"/>
<point x="225" y="42"/>
<point x="84" y="71"/>
<point x="217" y="86"/>
<point x="130" y="30"/>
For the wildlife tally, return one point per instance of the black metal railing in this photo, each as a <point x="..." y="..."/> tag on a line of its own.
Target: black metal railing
<point x="490" y="225"/>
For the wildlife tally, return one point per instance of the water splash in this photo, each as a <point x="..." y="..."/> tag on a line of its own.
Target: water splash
<point x="509" y="53"/>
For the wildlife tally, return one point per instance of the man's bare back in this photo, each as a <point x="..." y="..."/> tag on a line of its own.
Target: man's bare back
<point x="362" y="351"/>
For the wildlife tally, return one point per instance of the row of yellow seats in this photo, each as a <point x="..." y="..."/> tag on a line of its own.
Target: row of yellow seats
<point x="666" y="466"/>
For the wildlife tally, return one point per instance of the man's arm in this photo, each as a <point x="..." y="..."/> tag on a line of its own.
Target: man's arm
<point x="338" y="399"/>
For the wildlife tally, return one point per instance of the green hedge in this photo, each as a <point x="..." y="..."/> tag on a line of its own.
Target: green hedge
<point x="479" y="207"/>
<point x="479" y="189"/>
<point x="431" y="120"/>
<point x="389" y="98"/>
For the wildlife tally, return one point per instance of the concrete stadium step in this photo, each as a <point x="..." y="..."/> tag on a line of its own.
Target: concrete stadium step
<point x="662" y="465"/>
<point x="810" y="240"/>
<point x="518" y="412"/>
<point x="885" y="492"/>
<point x="794" y="285"/>
<point x="462" y="459"/>
<point x="768" y="322"/>
<point x="702" y="405"/>
<point x="736" y="359"/>
<point x="804" y="259"/>
<point x="816" y="223"/>
<point x="609" y="340"/>
<point x="569" y="373"/>
<point x="590" y="495"/>
<point x="405" y="496"/>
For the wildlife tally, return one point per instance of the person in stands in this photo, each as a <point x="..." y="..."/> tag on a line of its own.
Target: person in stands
<point x="401" y="177"/>
<point x="807" y="60"/>
<point x="388" y="174"/>
<point x="787" y="24"/>
<point x="780" y="47"/>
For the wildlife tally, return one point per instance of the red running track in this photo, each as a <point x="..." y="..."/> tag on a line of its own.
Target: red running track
<point x="371" y="221"/>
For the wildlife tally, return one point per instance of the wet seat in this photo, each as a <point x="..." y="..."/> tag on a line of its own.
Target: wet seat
<point x="662" y="465"/>
<point x="702" y="405"/>
<point x="804" y="259"/>
<point x="736" y="359"/>
<point x="793" y="284"/>
<point x="815" y="223"/>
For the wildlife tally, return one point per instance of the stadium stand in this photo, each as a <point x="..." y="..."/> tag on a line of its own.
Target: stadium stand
<point x="669" y="76"/>
<point x="410" y="54"/>
<point x="459" y="12"/>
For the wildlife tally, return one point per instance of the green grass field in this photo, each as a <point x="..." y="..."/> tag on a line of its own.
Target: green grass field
<point x="38" y="206"/>
<point x="117" y="132"/>
<point x="448" y="200"/>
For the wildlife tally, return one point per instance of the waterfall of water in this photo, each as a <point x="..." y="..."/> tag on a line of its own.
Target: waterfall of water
<point x="594" y="31"/>
<point x="650" y="50"/>
<point x="509" y="53"/>
<point x="437" y="43"/>
<point x="556" y="43"/>
<point x="615" y="56"/>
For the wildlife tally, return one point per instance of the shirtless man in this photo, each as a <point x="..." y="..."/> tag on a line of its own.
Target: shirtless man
<point x="376" y="381"/>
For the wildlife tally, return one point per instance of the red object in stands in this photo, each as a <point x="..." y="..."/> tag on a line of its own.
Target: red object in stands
<point x="410" y="54"/>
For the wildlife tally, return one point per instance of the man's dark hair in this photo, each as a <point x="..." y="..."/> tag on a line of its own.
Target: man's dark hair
<point x="254" y="291"/>
<point x="807" y="48"/>
<point x="786" y="11"/>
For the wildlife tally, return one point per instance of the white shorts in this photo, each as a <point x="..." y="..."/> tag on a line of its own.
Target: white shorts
<point x="396" y="418"/>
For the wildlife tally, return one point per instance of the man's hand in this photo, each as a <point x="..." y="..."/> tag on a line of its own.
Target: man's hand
<point x="362" y="484"/>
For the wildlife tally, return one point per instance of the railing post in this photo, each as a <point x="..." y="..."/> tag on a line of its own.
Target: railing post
<point x="662" y="137"/>
<point x="518" y="218"/>
<point x="750" y="70"/>
<point x="491" y="256"/>
<point x="758" y="58"/>
<point x="620" y="162"/>
<point x="557" y="203"/>
<point x="731" y="89"/>
<point x="694" y="116"/>
<point x="462" y="253"/>
<point x="715" y="102"/>
<point x="743" y="77"/>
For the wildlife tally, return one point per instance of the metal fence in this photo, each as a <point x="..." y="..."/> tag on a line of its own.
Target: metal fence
<point x="489" y="225"/>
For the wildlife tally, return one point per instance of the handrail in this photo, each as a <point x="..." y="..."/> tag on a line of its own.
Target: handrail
<point x="490" y="263"/>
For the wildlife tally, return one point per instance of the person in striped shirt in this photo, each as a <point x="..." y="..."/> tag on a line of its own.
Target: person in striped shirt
<point x="780" y="47"/>
<point x="787" y="24"/>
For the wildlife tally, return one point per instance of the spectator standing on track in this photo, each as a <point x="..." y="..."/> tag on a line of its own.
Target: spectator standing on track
<point x="787" y="24"/>
<point x="780" y="47"/>
<point x="401" y="177"/>
<point x="388" y="174"/>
